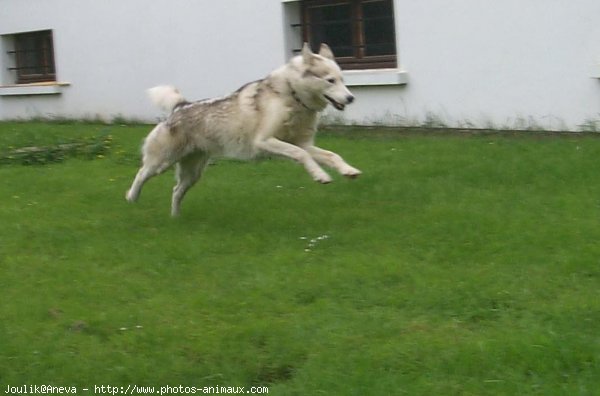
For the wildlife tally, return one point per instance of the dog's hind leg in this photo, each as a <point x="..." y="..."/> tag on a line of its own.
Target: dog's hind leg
<point x="145" y="173"/>
<point x="188" y="172"/>
<point x="157" y="158"/>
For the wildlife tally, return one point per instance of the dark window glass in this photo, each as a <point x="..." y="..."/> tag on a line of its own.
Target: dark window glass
<point x="361" y="33"/>
<point x="378" y="22"/>
<point x="34" y="57"/>
<point x="332" y="24"/>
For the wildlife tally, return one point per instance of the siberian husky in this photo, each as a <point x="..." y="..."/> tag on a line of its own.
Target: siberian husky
<point x="276" y="115"/>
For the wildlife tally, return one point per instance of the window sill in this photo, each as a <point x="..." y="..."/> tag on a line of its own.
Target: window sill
<point x="357" y="78"/>
<point x="44" y="88"/>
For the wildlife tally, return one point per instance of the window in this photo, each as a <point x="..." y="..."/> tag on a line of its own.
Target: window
<point x="361" y="33"/>
<point x="33" y="57"/>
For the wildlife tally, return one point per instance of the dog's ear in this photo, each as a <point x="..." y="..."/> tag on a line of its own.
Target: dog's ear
<point x="307" y="54"/>
<point x="326" y="52"/>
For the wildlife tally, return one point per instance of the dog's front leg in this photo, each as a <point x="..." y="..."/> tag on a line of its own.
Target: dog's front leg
<point x="276" y="146"/>
<point x="333" y="160"/>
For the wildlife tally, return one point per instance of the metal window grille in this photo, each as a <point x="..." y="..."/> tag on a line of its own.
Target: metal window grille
<point x="361" y="33"/>
<point x="34" y="57"/>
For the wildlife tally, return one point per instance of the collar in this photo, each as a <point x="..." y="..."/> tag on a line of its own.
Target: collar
<point x="296" y="98"/>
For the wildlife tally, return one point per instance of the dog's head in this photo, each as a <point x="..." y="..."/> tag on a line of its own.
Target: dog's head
<point x="322" y="79"/>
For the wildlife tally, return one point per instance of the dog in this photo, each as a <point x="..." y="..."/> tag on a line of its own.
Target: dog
<point x="275" y="115"/>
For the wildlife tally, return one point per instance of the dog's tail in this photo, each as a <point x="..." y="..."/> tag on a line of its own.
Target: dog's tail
<point x="166" y="97"/>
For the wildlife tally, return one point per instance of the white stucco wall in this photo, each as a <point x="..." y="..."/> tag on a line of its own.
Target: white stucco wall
<point x="468" y="62"/>
<point x="111" y="51"/>
<point x="496" y="62"/>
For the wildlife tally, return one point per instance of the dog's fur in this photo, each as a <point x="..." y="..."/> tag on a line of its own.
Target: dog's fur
<point x="277" y="115"/>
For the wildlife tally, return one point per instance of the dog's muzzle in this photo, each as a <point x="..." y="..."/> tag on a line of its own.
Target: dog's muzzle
<point x="338" y="105"/>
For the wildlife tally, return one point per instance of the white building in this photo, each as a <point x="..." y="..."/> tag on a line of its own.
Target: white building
<point x="467" y="63"/>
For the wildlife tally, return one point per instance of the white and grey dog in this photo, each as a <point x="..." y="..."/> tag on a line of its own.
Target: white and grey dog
<point x="277" y="115"/>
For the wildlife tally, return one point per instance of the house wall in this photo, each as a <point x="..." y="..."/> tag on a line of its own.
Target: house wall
<point x="471" y="63"/>
<point x="111" y="51"/>
<point x="497" y="62"/>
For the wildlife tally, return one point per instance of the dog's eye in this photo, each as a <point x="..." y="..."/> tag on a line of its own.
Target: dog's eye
<point x="331" y="80"/>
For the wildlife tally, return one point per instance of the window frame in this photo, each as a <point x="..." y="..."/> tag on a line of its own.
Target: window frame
<point x="44" y="48"/>
<point x="359" y="60"/>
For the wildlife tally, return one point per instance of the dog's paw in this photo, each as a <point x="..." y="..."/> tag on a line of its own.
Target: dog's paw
<point x="351" y="173"/>
<point x="130" y="197"/>
<point x="323" y="178"/>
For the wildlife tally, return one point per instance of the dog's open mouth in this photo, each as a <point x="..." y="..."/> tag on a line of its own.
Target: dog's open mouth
<point x="334" y="103"/>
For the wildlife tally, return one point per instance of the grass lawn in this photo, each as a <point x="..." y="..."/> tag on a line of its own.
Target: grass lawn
<point x="456" y="265"/>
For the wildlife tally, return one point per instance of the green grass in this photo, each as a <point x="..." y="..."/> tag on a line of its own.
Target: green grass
<point x="456" y="265"/>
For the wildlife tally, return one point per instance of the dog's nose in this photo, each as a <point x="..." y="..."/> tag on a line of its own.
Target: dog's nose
<point x="350" y="99"/>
